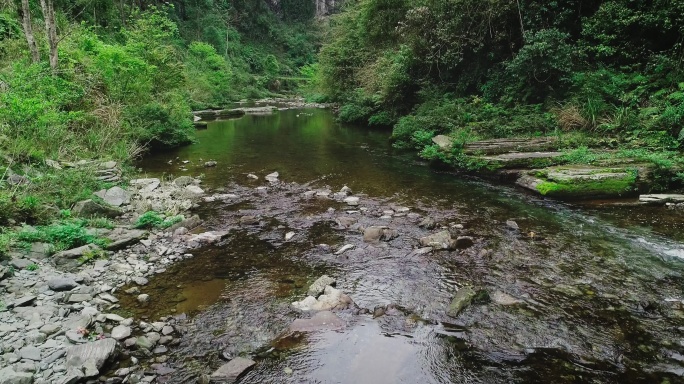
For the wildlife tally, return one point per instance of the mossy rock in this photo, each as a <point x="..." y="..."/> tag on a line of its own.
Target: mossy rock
<point x="581" y="182"/>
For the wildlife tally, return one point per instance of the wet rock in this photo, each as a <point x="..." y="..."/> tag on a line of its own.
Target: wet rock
<point x="146" y="185"/>
<point x="463" y="298"/>
<point x="79" y="297"/>
<point x="69" y="259"/>
<point x="116" y="196"/>
<point x="20" y="263"/>
<point x="331" y="299"/>
<point x="167" y="330"/>
<point x="143" y="298"/>
<point x="324" y="320"/>
<point x="30" y="353"/>
<point x="440" y="240"/>
<point x="352" y="201"/>
<point x="122" y="237"/>
<point x="252" y="176"/>
<point x="502" y="298"/>
<point x="121" y="332"/>
<point x="376" y="234"/>
<point x="144" y="342"/>
<point x="428" y="223"/>
<point x="193" y="191"/>
<point x="23" y="301"/>
<point x="272" y="177"/>
<point x="184" y="181"/>
<point x="249" y="220"/>
<point x="289" y="236"/>
<point x="89" y="208"/>
<point x="319" y="285"/>
<point x="378" y="312"/>
<point x="140" y="280"/>
<point x="50" y="328"/>
<point x="59" y="284"/>
<point x="463" y="242"/>
<point x="344" y="249"/>
<point x="92" y="355"/>
<point x="210" y="164"/>
<point x="345" y="221"/>
<point x="189" y="223"/>
<point x="231" y="371"/>
<point x="9" y="376"/>
<point x="512" y="225"/>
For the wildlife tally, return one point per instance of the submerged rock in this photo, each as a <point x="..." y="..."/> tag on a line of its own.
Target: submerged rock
<point x="231" y="371"/>
<point x="463" y="298"/>
<point x="331" y="299"/>
<point x="440" y="240"/>
<point x="376" y="234"/>
<point x="324" y="320"/>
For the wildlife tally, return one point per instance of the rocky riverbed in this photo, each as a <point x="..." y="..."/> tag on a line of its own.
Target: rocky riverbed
<point x="61" y="319"/>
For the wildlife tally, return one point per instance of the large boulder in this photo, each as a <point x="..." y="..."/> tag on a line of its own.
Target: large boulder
<point x="72" y="258"/>
<point x="93" y="354"/>
<point x="443" y="142"/>
<point x="122" y="237"/>
<point x="231" y="371"/>
<point x="62" y="284"/>
<point x="89" y="208"/>
<point x="116" y="196"/>
<point x="9" y="376"/>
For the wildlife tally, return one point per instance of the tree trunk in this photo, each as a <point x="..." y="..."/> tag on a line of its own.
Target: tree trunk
<point x="51" y="30"/>
<point x="28" y="30"/>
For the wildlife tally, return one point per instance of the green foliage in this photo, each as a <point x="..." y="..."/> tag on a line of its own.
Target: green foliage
<point x="152" y="219"/>
<point x="91" y="255"/>
<point x="32" y="267"/>
<point x="62" y="234"/>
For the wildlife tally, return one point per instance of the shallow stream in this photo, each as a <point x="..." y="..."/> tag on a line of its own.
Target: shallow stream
<point x="598" y="288"/>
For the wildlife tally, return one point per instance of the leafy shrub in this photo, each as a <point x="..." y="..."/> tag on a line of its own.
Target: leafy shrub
<point x="152" y="219"/>
<point x="63" y="235"/>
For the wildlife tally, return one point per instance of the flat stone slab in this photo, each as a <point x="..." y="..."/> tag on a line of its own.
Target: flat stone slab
<point x="96" y="352"/>
<point x="499" y="146"/>
<point x="661" y="199"/>
<point x="231" y="371"/>
<point x="581" y="182"/>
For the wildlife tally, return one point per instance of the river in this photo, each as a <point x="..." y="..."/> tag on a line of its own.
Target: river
<point x="597" y="286"/>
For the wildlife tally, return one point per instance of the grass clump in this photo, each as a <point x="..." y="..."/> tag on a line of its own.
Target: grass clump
<point x="152" y="219"/>
<point x="64" y="234"/>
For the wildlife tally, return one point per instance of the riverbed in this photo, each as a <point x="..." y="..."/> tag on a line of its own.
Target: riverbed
<point x="587" y="292"/>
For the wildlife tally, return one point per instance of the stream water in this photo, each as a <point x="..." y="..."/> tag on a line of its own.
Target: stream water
<point x="598" y="287"/>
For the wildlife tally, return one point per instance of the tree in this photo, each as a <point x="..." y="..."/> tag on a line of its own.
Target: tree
<point x="28" y="30"/>
<point x="50" y="30"/>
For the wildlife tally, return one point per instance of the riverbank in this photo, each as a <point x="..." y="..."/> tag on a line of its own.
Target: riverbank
<point x="543" y="165"/>
<point x="61" y="321"/>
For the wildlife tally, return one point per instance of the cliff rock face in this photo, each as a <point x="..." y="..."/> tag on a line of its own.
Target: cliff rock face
<point x="323" y="7"/>
<point x="326" y="7"/>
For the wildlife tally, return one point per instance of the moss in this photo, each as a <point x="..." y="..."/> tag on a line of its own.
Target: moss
<point x="583" y="187"/>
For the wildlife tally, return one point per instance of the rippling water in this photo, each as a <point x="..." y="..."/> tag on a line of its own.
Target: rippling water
<point x="600" y="284"/>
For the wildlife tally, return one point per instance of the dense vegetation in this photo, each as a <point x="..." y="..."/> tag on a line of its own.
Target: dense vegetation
<point x="598" y="74"/>
<point x="125" y="80"/>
